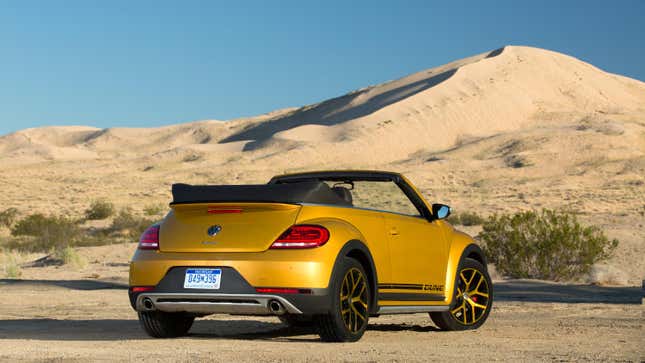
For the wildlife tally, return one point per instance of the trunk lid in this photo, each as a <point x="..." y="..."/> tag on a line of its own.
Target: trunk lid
<point x="225" y="227"/>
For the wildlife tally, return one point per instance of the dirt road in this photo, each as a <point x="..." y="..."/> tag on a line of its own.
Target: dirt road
<point x="80" y="320"/>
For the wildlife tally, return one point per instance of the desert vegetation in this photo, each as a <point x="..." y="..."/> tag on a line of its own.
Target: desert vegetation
<point x="58" y="235"/>
<point x="546" y="244"/>
<point x="8" y="217"/>
<point x="99" y="209"/>
<point x="466" y="219"/>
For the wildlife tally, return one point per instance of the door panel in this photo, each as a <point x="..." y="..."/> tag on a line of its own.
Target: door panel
<point x="418" y="253"/>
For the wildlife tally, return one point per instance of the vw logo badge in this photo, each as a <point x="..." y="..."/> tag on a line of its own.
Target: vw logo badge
<point x="214" y="230"/>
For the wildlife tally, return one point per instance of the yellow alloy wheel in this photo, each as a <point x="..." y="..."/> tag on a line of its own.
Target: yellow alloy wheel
<point x="353" y="300"/>
<point x="472" y="297"/>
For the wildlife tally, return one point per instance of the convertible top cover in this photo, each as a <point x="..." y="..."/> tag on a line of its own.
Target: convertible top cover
<point x="292" y="193"/>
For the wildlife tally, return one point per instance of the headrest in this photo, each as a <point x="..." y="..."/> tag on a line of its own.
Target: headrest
<point x="344" y="193"/>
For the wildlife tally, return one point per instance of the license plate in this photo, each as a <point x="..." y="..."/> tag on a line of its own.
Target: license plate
<point x="203" y="278"/>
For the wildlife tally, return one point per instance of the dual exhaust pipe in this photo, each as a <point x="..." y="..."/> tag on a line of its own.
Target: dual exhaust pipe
<point x="275" y="306"/>
<point x="148" y="305"/>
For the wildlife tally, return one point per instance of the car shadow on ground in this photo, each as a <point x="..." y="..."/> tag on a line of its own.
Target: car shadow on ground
<point x="129" y="329"/>
<point x="509" y="290"/>
<point x="126" y="329"/>
<point x="546" y="292"/>
<point x="69" y="284"/>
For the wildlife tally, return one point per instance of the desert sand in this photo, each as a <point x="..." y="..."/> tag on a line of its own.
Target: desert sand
<point x="83" y="314"/>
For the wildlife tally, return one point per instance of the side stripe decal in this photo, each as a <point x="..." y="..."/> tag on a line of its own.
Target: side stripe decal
<point x="393" y="296"/>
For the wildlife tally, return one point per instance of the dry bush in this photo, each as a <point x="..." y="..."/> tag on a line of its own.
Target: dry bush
<point x="546" y="244"/>
<point x="40" y="233"/>
<point x="8" y="217"/>
<point x="99" y="209"/>
<point x="127" y="224"/>
<point x="466" y="219"/>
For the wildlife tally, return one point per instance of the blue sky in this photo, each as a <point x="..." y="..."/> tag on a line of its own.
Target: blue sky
<point x="150" y="63"/>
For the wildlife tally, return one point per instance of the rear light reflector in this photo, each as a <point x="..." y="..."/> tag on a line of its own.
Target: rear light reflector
<point x="279" y="290"/>
<point x="141" y="288"/>
<point x="224" y="210"/>
<point x="302" y="236"/>
<point x="150" y="239"/>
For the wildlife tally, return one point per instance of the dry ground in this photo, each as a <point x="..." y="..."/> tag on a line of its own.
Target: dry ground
<point x="85" y="320"/>
<point x="80" y="313"/>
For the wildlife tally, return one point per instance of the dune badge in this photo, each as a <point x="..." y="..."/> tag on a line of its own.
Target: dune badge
<point x="214" y="230"/>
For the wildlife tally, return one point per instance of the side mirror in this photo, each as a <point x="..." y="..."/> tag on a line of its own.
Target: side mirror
<point x="440" y="211"/>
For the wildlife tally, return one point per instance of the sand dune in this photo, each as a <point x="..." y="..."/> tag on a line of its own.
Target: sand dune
<point x="504" y="90"/>
<point x="510" y="129"/>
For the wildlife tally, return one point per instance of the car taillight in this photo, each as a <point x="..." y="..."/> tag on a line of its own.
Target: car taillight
<point x="150" y="239"/>
<point x="141" y="288"/>
<point x="302" y="236"/>
<point x="281" y="290"/>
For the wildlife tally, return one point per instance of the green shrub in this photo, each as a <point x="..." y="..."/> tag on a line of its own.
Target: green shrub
<point x="549" y="245"/>
<point x="99" y="209"/>
<point x="130" y="225"/>
<point x="8" y="217"/>
<point x="466" y="219"/>
<point x="153" y="209"/>
<point x="471" y="219"/>
<point x="10" y="265"/>
<point x="68" y="256"/>
<point x="46" y="232"/>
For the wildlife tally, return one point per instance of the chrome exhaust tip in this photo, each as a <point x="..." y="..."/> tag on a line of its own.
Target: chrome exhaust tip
<point x="276" y="307"/>
<point x="148" y="304"/>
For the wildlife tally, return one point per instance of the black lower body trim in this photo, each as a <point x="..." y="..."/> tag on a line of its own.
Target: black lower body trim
<point x="399" y="296"/>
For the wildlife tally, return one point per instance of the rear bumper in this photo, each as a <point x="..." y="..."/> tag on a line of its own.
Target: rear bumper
<point x="235" y="296"/>
<point x="203" y="303"/>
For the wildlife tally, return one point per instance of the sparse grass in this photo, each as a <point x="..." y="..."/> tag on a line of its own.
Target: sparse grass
<point x="99" y="209"/>
<point x="153" y="210"/>
<point x="546" y="244"/>
<point x="10" y="264"/>
<point x="42" y="233"/>
<point x="8" y="217"/>
<point x="55" y="234"/>
<point x="466" y="219"/>
<point x="68" y="256"/>
<point x="127" y="224"/>
<point x="516" y="161"/>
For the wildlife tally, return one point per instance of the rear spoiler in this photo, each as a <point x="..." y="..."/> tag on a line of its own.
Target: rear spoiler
<point x="314" y="192"/>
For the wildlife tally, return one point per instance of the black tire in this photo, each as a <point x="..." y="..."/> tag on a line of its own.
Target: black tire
<point x="165" y="325"/>
<point x="336" y="326"/>
<point x="463" y="313"/>
<point x="297" y="321"/>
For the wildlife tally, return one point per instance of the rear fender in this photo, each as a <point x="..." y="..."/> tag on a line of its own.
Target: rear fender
<point x="354" y="249"/>
<point x="348" y="240"/>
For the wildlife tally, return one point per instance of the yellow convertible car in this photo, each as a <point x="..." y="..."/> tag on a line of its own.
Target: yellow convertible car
<point x="327" y="249"/>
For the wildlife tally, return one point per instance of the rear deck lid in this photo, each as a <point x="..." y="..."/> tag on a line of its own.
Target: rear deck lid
<point x="225" y="227"/>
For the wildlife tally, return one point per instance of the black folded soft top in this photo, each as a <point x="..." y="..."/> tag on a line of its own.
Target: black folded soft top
<point x="314" y="192"/>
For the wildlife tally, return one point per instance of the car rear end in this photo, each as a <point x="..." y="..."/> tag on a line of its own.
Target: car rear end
<point x="247" y="258"/>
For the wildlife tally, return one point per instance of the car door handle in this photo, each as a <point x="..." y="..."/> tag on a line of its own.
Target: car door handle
<point x="394" y="232"/>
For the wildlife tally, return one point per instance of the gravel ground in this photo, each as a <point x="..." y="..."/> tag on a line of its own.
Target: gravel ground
<point x="532" y="321"/>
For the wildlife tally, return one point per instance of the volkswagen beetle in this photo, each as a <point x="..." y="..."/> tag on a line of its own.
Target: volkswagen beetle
<point x="329" y="249"/>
